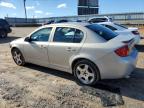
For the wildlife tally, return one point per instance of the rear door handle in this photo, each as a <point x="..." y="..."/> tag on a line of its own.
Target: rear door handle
<point x="73" y="49"/>
<point x="43" y="46"/>
<point x="69" y="49"/>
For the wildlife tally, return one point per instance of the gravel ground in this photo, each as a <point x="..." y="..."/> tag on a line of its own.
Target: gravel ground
<point x="38" y="87"/>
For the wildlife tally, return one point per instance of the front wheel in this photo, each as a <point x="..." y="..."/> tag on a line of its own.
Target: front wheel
<point x="86" y="72"/>
<point x="18" y="57"/>
<point x="3" y="34"/>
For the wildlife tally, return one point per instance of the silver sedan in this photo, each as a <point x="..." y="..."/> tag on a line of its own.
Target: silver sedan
<point x="90" y="52"/>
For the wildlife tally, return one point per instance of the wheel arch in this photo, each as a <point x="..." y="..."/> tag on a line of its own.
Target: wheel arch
<point x="21" y="56"/>
<point x="74" y="61"/>
<point x="15" y="47"/>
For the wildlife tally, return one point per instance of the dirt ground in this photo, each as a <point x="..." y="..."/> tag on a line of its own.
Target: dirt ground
<point x="33" y="86"/>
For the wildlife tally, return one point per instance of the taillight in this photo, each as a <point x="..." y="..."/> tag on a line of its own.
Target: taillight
<point x="135" y="32"/>
<point x="123" y="51"/>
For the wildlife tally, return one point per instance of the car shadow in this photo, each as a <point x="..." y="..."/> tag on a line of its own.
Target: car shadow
<point x="7" y="39"/>
<point x="111" y="91"/>
<point x="57" y="73"/>
<point x="132" y="87"/>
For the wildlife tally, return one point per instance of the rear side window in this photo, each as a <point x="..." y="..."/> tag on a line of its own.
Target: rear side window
<point x="102" y="31"/>
<point x="78" y="36"/>
<point x="68" y="35"/>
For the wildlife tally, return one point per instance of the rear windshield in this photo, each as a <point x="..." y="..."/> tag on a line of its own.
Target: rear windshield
<point x="102" y="31"/>
<point x="121" y="26"/>
<point x="97" y="20"/>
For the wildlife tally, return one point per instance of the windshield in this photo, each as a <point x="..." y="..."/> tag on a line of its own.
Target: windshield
<point x="104" y="32"/>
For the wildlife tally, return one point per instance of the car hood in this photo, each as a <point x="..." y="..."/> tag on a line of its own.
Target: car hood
<point x="19" y="40"/>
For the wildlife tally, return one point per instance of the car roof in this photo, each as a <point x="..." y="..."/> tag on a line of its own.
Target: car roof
<point x="78" y="24"/>
<point x="99" y="17"/>
<point x="105" y="23"/>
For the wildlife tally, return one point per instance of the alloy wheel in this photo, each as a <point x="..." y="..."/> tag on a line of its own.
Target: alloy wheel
<point x="85" y="73"/>
<point x="17" y="56"/>
<point x="2" y="34"/>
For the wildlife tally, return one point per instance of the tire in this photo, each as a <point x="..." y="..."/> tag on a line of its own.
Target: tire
<point x="86" y="72"/>
<point x="3" y="34"/>
<point x="18" y="57"/>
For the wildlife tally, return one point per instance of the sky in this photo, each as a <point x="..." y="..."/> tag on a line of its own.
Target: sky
<point x="53" y="8"/>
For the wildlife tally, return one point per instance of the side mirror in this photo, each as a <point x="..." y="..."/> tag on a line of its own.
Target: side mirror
<point x="27" y="39"/>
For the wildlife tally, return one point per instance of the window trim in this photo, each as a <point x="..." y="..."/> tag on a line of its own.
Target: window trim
<point x="52" y="40"/>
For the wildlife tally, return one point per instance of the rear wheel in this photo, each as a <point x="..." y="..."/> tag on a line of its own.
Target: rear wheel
<point x="18" y="57"/>
<point x="86" y="72"/>
<point x="3" y="34"/>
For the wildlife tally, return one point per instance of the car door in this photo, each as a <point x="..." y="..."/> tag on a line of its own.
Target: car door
<point x="36" y="51"/>
<point x="65" y="44"/>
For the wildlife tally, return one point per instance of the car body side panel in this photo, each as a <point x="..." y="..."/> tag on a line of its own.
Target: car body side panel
<point x="92" y="47"/>
<point x="118" y="67"/>
<point x="18" y="43"/>
<point x="36" y="52"/>
<point x="102" y="54"/>
<point x="96" y="50"/>
<point x="59" y="53"/>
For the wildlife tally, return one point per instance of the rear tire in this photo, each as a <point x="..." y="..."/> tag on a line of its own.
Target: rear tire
<point x="3" y="34"/>
<point x="18" y="57"/>
<point x="86" y="72"/>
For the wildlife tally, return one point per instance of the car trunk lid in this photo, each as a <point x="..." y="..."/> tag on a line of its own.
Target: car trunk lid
<point x="124" y="42"/>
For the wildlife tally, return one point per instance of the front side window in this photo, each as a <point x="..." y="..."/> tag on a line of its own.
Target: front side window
<point x="68" y="35"/>
<point x="41" y="35"/>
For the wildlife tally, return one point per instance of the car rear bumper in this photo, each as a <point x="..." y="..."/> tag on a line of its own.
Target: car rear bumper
<point x="114" y="67"/>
